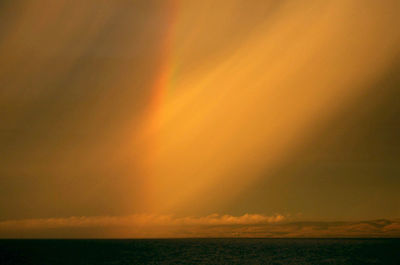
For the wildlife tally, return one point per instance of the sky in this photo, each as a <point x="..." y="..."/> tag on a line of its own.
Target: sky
<point x="199" y="118"/>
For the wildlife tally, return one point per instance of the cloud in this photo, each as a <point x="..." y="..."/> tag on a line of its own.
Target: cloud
<point x="215" y="225"/>
<point x="141" y="220"/>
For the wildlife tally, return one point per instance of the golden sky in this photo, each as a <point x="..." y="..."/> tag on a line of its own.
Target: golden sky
<point x="211" y="118"/>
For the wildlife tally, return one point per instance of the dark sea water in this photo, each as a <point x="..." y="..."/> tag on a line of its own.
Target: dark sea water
<point x="201" y="251"/>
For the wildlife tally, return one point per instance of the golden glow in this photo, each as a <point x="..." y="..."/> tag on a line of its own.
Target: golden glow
<point x="240" y="112"/>
<point x="174" y="108"/>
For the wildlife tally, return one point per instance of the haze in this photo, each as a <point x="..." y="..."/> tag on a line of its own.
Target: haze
<point x="199" y="118"/>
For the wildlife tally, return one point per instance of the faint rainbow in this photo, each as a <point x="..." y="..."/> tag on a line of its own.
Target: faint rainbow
<point x="164" y="74"/>
<point x="163" y="82"/>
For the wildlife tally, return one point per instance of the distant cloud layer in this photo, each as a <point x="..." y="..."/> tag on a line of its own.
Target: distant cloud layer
<point x="141" y="220"/>
<point x="150" y="226"/>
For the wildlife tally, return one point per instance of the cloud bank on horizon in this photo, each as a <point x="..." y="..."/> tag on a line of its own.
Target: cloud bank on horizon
<point x="167" y="226"/>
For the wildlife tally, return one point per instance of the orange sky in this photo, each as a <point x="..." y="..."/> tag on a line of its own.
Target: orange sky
<point x="184" y="109"/>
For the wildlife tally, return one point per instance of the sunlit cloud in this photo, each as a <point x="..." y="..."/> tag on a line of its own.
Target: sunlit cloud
<point x="151" y="226"/>
<point x="142" y="220"/>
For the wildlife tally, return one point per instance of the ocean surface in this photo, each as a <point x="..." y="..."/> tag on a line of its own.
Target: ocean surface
<point x="201" y="251"/>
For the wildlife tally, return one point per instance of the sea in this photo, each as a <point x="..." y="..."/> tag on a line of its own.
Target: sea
<point x="201" y="251"/>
